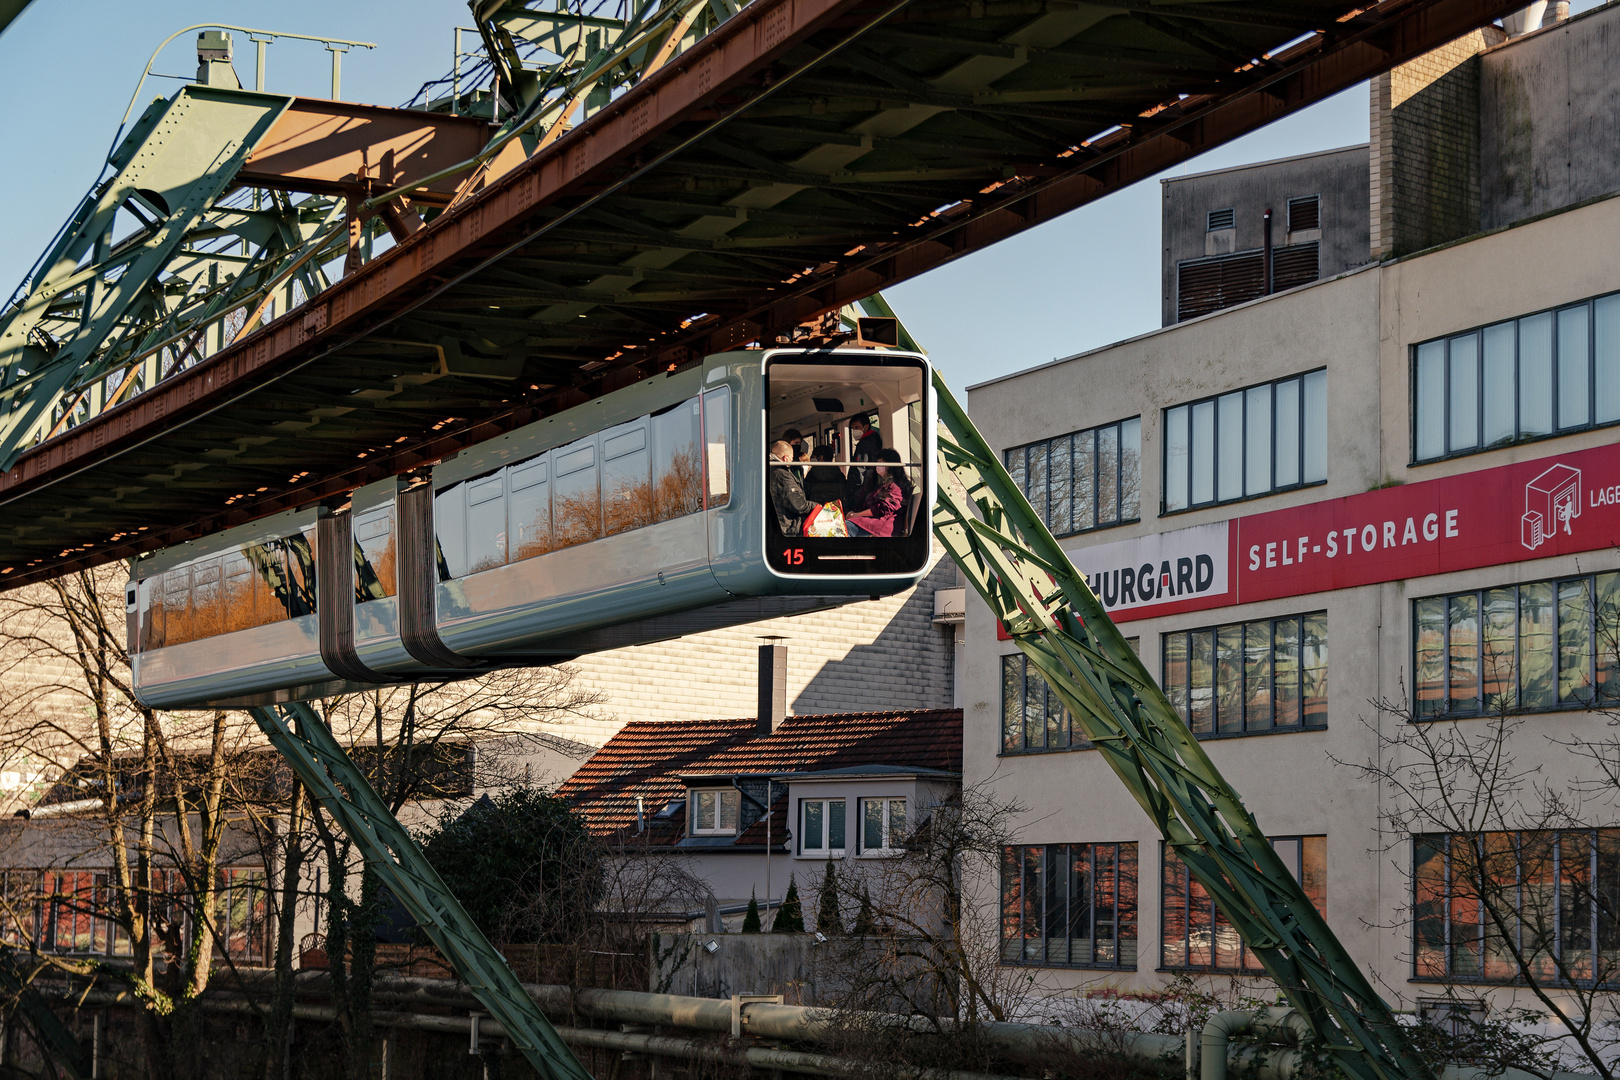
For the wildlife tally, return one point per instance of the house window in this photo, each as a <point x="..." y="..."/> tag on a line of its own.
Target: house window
<point x="1245" y="678"/>
<point x="240" y="924"/>
<point x="1069" y="905"/>
<point x="821" y="827"/>
<point x="1220" y="219"/>
<point x="1479" y="898"/>
<point x="1520" y="648"/>
<point x="1084" y="480"/>
<point x="883" y="824"/>
<point x="1529" y="378"/>
<point x="1251" y="442"/>
<point x="714" y="813"/>
<point x="1194" y="933"/>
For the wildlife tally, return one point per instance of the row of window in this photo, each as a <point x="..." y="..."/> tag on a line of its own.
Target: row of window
<point x="1084" y="480"/>
<point x="1075" y="905"/>
<point x="1549" y="373"/>
<point x="1521" y="648"/>
<point x="70" y="911"/>
<point x="1543" y="374"/>
<point x="1478" y="900"/>
<point x="1540" y="646"/>
<point x="823" y="825"/>
<point x="637" y="473"/>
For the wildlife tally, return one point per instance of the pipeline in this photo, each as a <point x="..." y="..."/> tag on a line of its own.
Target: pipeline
<point x="1282" y="1033"/>
<point x="758" y="1057"/>
<point x="1277" y="1053"/>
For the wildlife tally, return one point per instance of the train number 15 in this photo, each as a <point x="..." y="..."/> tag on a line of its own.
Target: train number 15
<point x="793" y="556"/>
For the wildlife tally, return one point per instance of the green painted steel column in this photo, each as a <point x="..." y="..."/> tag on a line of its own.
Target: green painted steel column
<point x="341" y="788"/>
<point x="1005" y="550"/>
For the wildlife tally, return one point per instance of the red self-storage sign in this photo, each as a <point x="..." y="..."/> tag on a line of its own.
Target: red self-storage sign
<point x="1552" y="506"/>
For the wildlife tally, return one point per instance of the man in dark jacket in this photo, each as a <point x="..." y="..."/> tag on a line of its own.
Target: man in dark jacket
<point x="787" y="493"/>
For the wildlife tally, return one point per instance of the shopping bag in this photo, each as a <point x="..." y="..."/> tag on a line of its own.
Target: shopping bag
<point x="826" y="520"/>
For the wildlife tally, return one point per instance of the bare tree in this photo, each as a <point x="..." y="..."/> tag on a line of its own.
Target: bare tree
<point x="1512" y="884"/>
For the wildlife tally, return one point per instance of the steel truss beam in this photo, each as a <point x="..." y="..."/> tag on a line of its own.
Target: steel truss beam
<point x="1005" y="550"/>
<point x="341" y="788"/>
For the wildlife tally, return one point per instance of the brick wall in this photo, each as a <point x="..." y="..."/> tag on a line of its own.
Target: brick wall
<point x="865" y="656"/>
<point x="1425" y="148"/>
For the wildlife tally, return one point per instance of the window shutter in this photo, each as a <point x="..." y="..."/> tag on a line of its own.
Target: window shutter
<point x="1206" y="285"/>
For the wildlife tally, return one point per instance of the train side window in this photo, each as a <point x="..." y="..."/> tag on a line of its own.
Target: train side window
<point x="301" y="573"/>
<point x="375" y="574"/>
<point x="577" y="496"/>
<point x="486" y="523"/>
<point x="626" y="478"/>
<point x="240" y="612"/>
<point x="529" y="509"/>
<point x="177" y="605"/>
<point x="717" y="445"/>
<point x="271" y="591"/>
<point x="450" y="523"/>
<point x="152" y="619"/>
<point x="677" y="478"/>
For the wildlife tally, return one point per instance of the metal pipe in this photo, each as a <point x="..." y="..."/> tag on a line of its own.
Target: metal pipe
<point x="631" y="1042"/>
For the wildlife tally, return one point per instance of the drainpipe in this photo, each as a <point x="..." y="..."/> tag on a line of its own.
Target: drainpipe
<point x="1265" y="256"/>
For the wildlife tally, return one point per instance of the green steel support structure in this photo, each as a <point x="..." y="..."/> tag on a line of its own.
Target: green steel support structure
<point x="1008" y="555"/>
<point x="326" y="770"/>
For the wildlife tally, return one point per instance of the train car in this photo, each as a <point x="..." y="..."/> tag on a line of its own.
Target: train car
<point x="643" y="515"/>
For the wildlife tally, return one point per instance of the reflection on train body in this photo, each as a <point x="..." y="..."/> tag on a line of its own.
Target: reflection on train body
<point x="637" y="516"/>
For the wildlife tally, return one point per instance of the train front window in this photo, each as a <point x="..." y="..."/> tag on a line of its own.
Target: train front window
<point x="847" y="481"/>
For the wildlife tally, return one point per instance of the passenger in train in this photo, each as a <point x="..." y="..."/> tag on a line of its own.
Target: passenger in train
<point x="885" y="500"/>
<point x="824" y="483"/>
<point x="868" y="444"/>
<point x="787" y="493"/>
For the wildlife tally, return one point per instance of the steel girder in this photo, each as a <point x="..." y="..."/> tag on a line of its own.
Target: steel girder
<point x="342" y="789"/>
<point x="96" y="299"/>
<point x="1006" y="552"/>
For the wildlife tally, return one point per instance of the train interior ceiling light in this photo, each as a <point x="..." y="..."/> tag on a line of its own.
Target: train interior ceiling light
<point x="636" y="517"/>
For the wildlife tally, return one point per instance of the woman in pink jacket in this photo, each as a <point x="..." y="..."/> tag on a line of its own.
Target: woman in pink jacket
<point x="882" y="508"/>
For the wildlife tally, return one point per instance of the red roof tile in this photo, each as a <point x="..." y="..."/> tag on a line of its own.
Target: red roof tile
<point x="646" y="758"/>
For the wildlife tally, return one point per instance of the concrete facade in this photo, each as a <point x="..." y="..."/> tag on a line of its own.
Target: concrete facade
<point x="1338" y="177"/>
<point x="1363" y="327"/>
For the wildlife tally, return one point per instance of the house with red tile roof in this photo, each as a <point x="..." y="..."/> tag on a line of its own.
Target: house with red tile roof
<point x="747" y="806"/>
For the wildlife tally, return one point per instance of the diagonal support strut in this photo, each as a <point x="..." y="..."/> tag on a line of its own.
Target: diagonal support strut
<point x="333" y="778"/>
<point x="1006" y="552"/>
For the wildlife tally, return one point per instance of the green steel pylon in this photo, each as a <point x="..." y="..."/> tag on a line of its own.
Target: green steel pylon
<point x="1005" y="550"/>
<point x="341" y="788"/>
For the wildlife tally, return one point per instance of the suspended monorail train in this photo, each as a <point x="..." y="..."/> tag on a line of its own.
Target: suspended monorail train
<point x="637" y="517"/>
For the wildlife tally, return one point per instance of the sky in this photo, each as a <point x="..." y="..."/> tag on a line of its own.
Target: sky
<point x="69" y="69"/>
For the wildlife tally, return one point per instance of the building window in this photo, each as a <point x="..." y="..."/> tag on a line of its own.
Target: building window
<point x="714" y="813"/>
<point x="1194" y="932"/>
<point x="821" y="827"/>
<point x="1544" y="374"/>
<point x="1032" y="715"/>
<point x="1521" y="648"/>
<point x="1086" y="480"/>
<point x="883" y="824"/>
<point x="1069" y="905"/>
<point x="1221" y="219"/>
<point x="1304" y="212"/>
<point x="1250" y="442"/>
<point x="1478" y="898"/>
<point x="1245" y="678"/>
